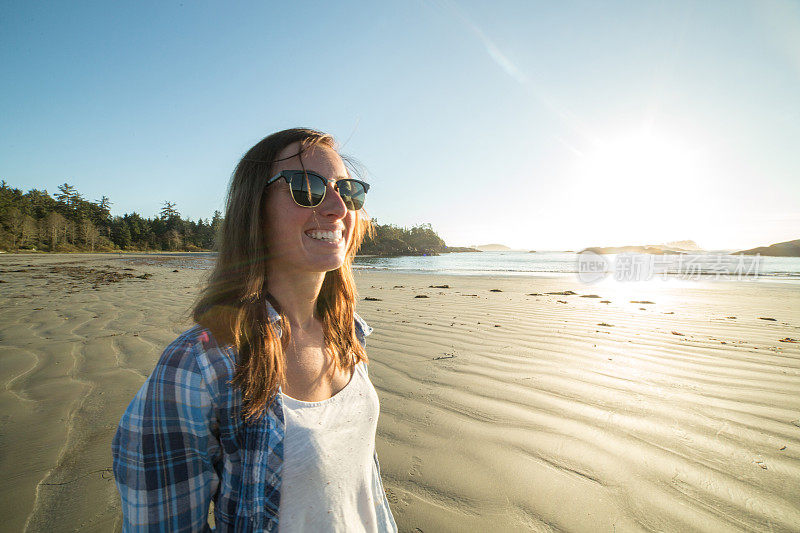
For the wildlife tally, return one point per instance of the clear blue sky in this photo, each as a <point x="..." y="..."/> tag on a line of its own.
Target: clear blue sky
<point x="544" y="125"/>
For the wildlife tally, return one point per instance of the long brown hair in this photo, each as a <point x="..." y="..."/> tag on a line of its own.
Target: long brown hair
<point x="233" y="303"/>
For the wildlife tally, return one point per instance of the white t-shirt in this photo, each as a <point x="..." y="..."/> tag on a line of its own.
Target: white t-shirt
<point x="330" y="481"/>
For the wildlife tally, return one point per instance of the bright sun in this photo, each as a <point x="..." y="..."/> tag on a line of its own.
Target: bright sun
<point x="640" y="188"/>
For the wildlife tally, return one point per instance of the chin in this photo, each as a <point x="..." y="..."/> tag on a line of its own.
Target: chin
<point x="328" y="265"/>
<point x="326" y="261"/>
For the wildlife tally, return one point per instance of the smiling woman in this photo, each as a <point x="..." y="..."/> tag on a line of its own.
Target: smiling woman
<point x="265" y="407"/>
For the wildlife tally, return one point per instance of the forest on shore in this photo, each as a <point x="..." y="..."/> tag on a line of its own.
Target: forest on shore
<point x="35" y="221"/>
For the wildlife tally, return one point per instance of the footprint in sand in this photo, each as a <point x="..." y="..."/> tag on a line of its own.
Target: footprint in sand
<point x="392" y="497"/>
<point x="416" y="464"/>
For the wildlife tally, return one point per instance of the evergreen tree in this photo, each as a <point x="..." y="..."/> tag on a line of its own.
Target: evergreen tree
<point x="169" y="211"/>
<point x="120" y="232"/>
<point x="66" y="194"/>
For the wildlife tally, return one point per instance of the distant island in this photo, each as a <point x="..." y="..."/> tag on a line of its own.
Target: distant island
<point x="492" y="248"/>
<point x="392" y="241"/>
<point x="781" y="249"/>
<point x="673" y="247"/>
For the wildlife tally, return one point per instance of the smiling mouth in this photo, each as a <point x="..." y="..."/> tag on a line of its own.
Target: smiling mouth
<point x="325" y="236"/>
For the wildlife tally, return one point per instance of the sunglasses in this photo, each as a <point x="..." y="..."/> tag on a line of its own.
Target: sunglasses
<point x="308" y="188"/>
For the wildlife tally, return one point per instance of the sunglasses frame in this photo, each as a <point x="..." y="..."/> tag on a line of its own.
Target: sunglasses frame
<point x="289" y="174"/>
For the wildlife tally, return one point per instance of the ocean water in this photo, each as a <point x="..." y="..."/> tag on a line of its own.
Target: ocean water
<point x="622" y="266"/>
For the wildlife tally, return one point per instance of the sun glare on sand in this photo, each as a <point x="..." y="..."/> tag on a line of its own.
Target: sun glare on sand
<point x="637" y="189"/>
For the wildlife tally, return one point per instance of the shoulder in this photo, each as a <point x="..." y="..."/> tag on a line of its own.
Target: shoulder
<point x="177" y="364"/>
<point x="196" y="356"/>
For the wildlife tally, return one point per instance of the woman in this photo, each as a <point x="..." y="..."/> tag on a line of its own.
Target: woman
<point x="264" y="406"/>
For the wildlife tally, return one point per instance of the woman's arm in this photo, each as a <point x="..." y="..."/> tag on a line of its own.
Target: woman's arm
<point x="165" y="447"/>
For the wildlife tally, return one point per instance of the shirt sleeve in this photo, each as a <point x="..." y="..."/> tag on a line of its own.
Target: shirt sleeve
<point x="165" y="446"/>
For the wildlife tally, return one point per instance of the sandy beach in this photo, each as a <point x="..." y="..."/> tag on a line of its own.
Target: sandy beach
<point x="622" y="407"/>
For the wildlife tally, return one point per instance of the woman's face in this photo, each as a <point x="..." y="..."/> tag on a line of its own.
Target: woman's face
<point x="293" y="232"/>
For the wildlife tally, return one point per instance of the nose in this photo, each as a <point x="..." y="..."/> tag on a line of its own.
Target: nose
<point x="332" y="204"/>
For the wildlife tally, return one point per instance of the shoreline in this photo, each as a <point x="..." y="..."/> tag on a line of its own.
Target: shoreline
<point x="180" y="259"/>
<point x="573" y="275"/>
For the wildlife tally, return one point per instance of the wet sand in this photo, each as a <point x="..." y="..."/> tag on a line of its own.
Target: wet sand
<point x="652" y="406"/>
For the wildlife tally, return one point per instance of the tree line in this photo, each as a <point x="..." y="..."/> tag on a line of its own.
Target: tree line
<point x="67" y="222"/>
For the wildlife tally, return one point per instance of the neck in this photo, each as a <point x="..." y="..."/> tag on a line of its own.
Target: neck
<point x="296" y="293"/>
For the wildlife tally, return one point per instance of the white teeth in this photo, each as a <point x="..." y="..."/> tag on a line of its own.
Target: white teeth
<point x="327" y="236"/>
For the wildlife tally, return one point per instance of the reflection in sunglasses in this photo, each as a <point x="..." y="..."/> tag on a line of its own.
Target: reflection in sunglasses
<point x="308" y="189"/>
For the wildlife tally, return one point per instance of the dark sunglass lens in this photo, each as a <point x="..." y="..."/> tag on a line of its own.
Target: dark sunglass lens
<point x="308" y="189"/>
<point x="352" y="193"/>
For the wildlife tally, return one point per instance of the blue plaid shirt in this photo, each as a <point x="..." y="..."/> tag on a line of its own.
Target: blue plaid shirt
<point x="181" y="443"/>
